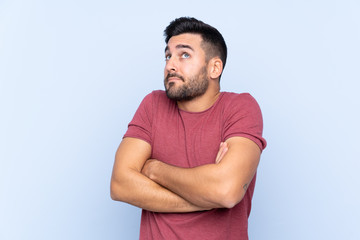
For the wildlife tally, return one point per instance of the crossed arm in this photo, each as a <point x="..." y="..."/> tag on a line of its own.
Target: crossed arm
<point x="156" y="186"/>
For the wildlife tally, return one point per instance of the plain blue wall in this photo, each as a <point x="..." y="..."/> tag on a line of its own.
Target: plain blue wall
<point x="73" y="72"/>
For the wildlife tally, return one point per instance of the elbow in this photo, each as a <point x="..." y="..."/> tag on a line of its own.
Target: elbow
<point x="122" y="188"/>
<point x="230" y="202"/>
<point x="115" y="191"/>
<point x="113" y="194"/>
<point x="229" y="197"/>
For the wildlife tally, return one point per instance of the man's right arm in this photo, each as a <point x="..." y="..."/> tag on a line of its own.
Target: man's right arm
<point x="129" y="185"/>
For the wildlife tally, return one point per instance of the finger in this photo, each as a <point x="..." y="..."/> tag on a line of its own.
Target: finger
<point x="222" y="153"/>
<point x="219" y="152"/>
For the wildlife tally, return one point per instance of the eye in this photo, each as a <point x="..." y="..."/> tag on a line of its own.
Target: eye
<point x="185" y="55"/>
<point x="167" y="57"/>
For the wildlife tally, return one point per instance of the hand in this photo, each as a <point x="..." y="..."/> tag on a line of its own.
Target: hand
<point x="146" y="170"/>
<point x="222" y="150"/>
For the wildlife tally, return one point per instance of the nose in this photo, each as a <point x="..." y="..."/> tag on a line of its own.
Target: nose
<point x="171" y="65"/>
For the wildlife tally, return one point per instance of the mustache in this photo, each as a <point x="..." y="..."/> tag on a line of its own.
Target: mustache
<point x="173" y="75"/>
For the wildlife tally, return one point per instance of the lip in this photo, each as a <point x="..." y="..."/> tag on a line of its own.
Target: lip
<point x="174" y="79"/>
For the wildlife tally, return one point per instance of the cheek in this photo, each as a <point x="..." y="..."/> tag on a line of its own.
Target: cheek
<point x="165" y="73"/>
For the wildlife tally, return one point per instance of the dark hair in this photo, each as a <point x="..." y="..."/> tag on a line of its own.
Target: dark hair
<point x="215" y="42"/>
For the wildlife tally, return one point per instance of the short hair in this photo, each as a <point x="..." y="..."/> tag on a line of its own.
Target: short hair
<point x="210" y="36"/>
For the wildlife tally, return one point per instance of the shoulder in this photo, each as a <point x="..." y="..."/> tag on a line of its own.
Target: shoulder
<point x="241" y="106"/>
<point x="243" y="117"/>
<point x="155" y="97"/>
<point x="236" y="100"/>
<point x="158" y="101"/>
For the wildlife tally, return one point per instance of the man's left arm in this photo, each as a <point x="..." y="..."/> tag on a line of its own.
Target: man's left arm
<point x="219" y="185"/>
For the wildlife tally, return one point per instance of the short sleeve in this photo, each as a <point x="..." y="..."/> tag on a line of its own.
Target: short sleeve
<point x="141" y="124"/>
<point x="243" y="118"/>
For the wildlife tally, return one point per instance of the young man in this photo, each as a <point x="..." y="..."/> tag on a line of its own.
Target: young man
<point x="190" y="154"/>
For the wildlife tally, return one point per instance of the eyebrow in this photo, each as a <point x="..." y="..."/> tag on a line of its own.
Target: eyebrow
<point x="180" y="46"/>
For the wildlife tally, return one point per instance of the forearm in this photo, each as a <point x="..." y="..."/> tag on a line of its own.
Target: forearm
<point x="200" y="185"/>
<point x="138" y="190"/>
<point x="130" y="186"/>
<point x="222" y="184"/>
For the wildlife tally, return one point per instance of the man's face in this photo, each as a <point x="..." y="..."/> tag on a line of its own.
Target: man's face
<point x="185" y="74"/>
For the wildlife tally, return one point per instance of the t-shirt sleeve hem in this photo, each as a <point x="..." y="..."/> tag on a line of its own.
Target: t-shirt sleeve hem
<point x="260" y="142"/>
<point x="138" y="137"/>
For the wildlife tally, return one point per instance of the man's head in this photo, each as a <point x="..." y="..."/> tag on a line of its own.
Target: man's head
<point x="213" y="42"/>
<point x="195" y="53"/>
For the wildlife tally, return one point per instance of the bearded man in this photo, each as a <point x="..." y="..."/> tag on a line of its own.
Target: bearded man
<point x="190" y="154"/>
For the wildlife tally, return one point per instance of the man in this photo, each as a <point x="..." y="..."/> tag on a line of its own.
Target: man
<point x="190" y="154"/>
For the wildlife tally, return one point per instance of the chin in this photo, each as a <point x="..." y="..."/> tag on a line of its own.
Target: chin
<point x="169" y="86"/>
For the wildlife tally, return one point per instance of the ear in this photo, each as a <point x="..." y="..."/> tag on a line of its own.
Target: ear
<point x="215" y="67"/>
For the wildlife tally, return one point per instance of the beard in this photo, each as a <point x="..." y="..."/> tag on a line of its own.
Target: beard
<point x="191" y="88"/>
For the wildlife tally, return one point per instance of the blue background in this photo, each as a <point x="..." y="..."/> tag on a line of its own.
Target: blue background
<point x="73" y="72"/>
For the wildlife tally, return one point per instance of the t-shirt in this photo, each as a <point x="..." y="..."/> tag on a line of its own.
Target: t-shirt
<point x="190" y="139"/>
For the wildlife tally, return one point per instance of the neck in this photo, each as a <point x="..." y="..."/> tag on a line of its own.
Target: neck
<point x="200" y="103"/>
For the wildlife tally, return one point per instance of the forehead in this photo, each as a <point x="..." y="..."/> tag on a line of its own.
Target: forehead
<point x="190" y="39"/>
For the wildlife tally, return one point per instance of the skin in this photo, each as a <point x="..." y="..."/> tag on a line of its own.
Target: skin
<point x="186" y="58"/>
<point x="129" y="185"/>
<point x="153" y="185"/>
<point x="213" y="185"/>
<point x="192" y="84"/>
